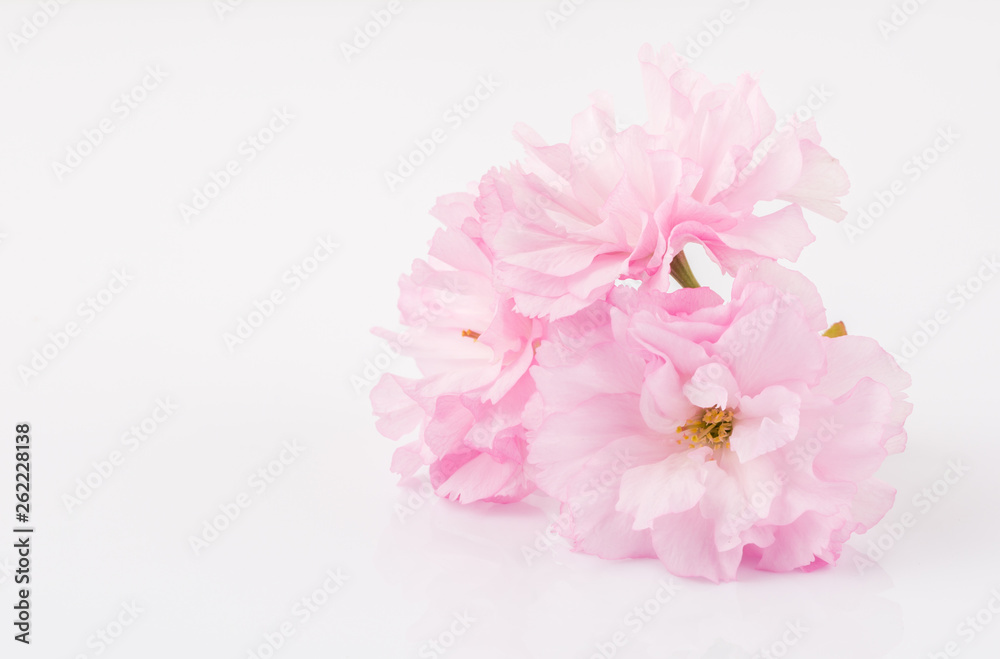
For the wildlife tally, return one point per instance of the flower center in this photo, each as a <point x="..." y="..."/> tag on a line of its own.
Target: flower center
<point x="711" y="427"/>
<point x="474" y="335"/>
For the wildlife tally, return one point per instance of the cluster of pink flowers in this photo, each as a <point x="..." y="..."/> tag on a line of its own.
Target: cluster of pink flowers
<point x="557" y="356"/>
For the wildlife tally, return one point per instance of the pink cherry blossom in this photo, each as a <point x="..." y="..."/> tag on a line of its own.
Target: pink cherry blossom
<point x="473" y="352"/>
<point x="551" y="353"/>
<point x="708" y="433"/>
<point x="622" y="204"/>
<point x="745" y="153"/>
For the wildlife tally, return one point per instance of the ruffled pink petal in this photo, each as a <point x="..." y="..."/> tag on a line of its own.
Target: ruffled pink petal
<point x="480" y="477"/>
<point x="801" y="543"/>
<point x="567" y="384"/>
<point x="398" y="413"/>
<point x="565" y="446"/>
<point x="782" y="234"/>
<point x="822" y="182"/>
<point x="851" y="358"/>
<point x="766" y="422"/>
<point x="770" y="342"/>
<point x="712" y="385"/>
<point x="662" y="403"/>
<point x="598" y="529"/>
<point x="408" y="458"/>
<point x="788" y="281"/>
<point x="447" y="425"/>
<point x="454" y="209"/>
<point x="672" y="485"/>
<point x="856" y="448"/>
<point x="873" y="500"/>
<point x="685" y="542"/>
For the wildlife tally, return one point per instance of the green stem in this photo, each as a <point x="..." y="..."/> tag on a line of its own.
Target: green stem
<point x="681" y="271"/>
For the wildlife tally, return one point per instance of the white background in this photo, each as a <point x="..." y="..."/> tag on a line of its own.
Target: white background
<point x="335" y="506"/>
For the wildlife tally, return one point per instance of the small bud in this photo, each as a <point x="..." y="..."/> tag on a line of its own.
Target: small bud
<point x="837" y="329"/>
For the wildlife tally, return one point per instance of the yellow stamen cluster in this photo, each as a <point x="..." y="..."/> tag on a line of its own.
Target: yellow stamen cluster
<point x="471" y="334"/>
<point x="712" y="428"/>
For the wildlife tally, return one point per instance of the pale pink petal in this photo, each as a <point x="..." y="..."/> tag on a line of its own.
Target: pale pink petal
<point x="482" y="478"/>
<point x="801" y="543"/>
<point x="598" y="529"/>
<point x="787" y="281"/>
<point x="782" y="234"/>
<point x="856" y="448"/>
<point x="771" y="342"/>
<point x="850" y="358"/>
<point x="398" y="413"/>
<point x="673" y="485"/>
<point x="766" y="422"/>
<point x="822" y="182"/>
<point x="873" y="501"/>
<point x="685" y="542"/>
<point x="712" y="385"/>
<point x="662" y="402"/>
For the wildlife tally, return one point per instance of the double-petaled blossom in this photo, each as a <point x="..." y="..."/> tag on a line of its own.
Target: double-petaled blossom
<point x="616" y="204"/>
<point x="718" y="431"/>
<point x="473" y="352"/>
<point x="552" y="354"/>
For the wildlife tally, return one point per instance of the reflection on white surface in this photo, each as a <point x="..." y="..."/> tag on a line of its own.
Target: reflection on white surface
<point x="455" y="559"/>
